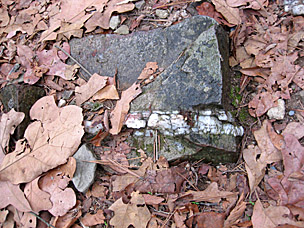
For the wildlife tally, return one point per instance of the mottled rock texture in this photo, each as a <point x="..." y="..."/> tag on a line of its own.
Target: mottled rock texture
<point x="194" y="56"/>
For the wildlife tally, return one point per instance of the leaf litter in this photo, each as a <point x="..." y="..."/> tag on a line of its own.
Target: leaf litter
<point x="266" y="47"/>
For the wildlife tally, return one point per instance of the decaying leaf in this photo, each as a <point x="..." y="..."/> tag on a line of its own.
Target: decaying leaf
<point x="107" y="93"/>
<point x="257" y="157"/>
<point x="12" y="195"/>
<point x="55" y="182"/>
<point x="149" y="70"/>
<point x="272" y="216"/>
<point x="134" y="213"/>
<point x="93" y="219"/>
<point x="231" y="14"/>
<point x="69" y="218"/>
<point x="28" y="220"/>
<point x="85" y="92"/>
<point x="9" y="121"/>
<point x="38" y="199"/>
<point x="121" y="109"/>
<point x="52" y="138"/>
<point x="210" y="219"/>
<point x="236" y="213"/>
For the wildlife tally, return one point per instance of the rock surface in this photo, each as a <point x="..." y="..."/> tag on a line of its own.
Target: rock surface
<point x="296" y="7"/>
<point x="21" y="98"/>
<point x="195" y="81"/>
<point x="277" y="112"/>
<point x="85" y="171"/>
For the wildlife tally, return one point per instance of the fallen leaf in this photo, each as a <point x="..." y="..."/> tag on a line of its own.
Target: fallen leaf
<point x="208" y="9"/>
<point x="9" y="121"/>
<point x="52" y="138"/>
<point x="85" y="92"/>
<point x="122" y="107"/>
<point x="260" y="104"/>
<point x="69" y="218"/>
<point x="294" y="128"/>
<point x="112" y="6"/>
<point x="211" y="194"/>
<point x="148" y="71"/>
<point x="3" y="215"/>
<point x="28" y="220"/>
<point x="107" y="93"/>
<point x="4" y="17"/>
<point x="12" y="195"/>
<point x="49" y="59"/>
<point x="134" y="213"/>
<point x="55" y="182"/>
<point x="236" y="213"/>
<point x="152" y="200"/>
<point x="38" y="199"/>
<point x="272" y="216"/>
<point x="93" y="219"/>
<point x="210" y="219"/>
<point x="231" y="14"/>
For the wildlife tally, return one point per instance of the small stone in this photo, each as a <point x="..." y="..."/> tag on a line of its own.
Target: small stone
<point x="296" y="7"/>
<point x="291" y="113"/>
<point x="277" y="112"/>
<point x="66" y="95"/>
<point x="89" y="128"/>
<point x="122" y="30"/>
<point x="163" y="14"/>
<point x="85" y="171"/>
<point x="61" y="103"/>
<point x="114" y="22"/>
<point x="139" y="4"/>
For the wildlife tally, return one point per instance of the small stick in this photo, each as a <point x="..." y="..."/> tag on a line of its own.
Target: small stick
<point x="82" y="67"/>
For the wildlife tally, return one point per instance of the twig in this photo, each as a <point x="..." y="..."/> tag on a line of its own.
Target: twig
<point x="41" y="219"/>
<point x="82" y="67"/>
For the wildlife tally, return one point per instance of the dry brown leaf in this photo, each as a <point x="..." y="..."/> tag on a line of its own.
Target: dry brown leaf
<point x="3" y="215"/>
<point x="294" y="128"/>
<point x="9" y="121"/>
<point x="52" y="138"/>
<point x="121" y="109"/>
<point x="63" y="201"/>
<point x="148" y="71"/>
<point x="134" y="213"/>
<point x="93" y="219"/>
<point x="261" y="103"/>
<point x="4" y="17"/>
<point x="232" y="15"/>
<point x="272" y="216"/>
<point x="211" y="194"/>
<point x="107" y="93"/>
<point x="251" y="4"/>
<point x="85" y="92"/>
<point x="12" y="195"/>
<point x="55" y="183"/>
<point x="152" y="200"/>
<point x="28" y="220"/>
<point x="208" y="9"/>
<point x="49" y="59"/>
<point x="38" y="199"/>
<point x="210" y="219"/>
<point x="69" y="218"/>
<point x="111" y="6"/>
<point x="236" y="213"/>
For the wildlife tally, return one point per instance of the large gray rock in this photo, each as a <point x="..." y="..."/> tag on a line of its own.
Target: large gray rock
<point x="195" y="82"/>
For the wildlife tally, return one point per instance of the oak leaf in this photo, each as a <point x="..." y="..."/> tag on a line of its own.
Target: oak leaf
<point x="12" y="195"/>
<point x="9" y="121"/>
<point x="231" y="14"/>
<point x="86" y="91"/>
<point x="93" y="219"/>
<point x="122" y="107"/>
<point x="134" y="213"/>
<point x="51" y="139"/>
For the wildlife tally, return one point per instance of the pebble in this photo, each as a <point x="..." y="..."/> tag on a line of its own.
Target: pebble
<point x="114" y="22"/>
<point x="278" y="112"/>
<point x="122" y="30"/>
<point x="85" y="171"/>
<point x="139" y="4"/>
<point x="61" y="103"/>
<point x="66" y="95"/>
<point x="163" y="14"/>
<point x="296" y="7"/>
<point x="291" y="113"/>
